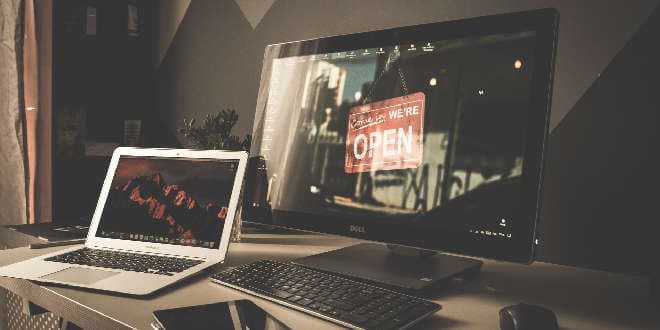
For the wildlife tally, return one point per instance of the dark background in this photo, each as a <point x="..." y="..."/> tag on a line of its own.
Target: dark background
<point x="106" y="78"/>
<point x="600" y="194"/>
<point x="601" y="169"/>
<point x="598" y="204"/>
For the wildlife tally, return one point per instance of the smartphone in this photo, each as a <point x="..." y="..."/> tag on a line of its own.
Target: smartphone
<point x="231" y="315"/>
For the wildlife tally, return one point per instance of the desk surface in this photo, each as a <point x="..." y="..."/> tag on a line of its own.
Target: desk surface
<point x="582" y="299"/>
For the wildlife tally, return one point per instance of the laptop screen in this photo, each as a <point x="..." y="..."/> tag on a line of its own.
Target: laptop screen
<point x="181" y="201"/>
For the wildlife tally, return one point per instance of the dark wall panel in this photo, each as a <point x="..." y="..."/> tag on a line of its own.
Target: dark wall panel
<point x="214" y="60"/>
<point x="600" y="197"/>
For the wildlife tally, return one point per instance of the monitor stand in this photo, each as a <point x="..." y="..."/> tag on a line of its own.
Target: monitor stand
<point x="403" y="268"/>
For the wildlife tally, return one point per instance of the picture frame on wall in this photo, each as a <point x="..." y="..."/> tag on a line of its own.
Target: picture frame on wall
<point x="89" y="19"/>
<point x="133" y="20"/>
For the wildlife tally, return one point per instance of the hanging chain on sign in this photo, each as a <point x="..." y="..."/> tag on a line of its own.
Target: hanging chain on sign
<point x="392" y="58"/>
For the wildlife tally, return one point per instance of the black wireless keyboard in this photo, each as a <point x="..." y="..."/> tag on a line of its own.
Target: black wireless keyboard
<point x="344" y="301"/>
<point x="144" y="263"/>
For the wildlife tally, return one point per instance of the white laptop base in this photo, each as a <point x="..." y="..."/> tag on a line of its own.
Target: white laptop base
<point x="135" y="282"/>
<point x="113" y="280"/>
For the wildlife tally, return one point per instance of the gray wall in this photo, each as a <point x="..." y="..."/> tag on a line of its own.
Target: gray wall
<point x="600" y="193"/>
<point x="214" y="59"/>
<point x="169" y="13"/>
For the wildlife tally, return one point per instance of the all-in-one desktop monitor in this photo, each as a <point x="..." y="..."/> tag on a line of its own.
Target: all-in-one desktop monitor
<point x="429" y="136"/>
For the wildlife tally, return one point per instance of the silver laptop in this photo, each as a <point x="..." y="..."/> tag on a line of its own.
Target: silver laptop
<point x="163" y="215"/>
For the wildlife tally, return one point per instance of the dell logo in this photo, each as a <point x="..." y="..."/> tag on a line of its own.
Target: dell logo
<point x="151" y="247"/>
<point x="357" y="229"/>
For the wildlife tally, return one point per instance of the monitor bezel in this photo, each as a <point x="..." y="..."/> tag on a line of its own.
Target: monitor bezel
<point x="543" y="22"/>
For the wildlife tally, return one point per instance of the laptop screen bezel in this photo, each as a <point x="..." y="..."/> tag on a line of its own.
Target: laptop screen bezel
<point x="165" y="248"/>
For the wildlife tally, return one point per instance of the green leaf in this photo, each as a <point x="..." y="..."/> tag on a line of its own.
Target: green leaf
<point x="215" y="132"/>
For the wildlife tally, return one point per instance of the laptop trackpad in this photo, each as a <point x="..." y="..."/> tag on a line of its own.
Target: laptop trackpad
<point x="79" y="275"/>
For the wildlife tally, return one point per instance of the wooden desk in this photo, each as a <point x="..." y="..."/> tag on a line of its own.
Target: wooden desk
<point x="582" y="299"/>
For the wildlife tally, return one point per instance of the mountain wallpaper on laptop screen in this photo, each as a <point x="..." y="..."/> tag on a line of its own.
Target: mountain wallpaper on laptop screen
<point x="191" y="207"/>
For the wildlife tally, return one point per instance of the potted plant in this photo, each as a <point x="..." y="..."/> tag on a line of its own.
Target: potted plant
<point x="214" y="132"/>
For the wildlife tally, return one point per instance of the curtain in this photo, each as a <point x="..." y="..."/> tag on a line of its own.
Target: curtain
<point x="31" y="97"/>
<point x="43" y="208"/>
<point x="12" y="162"/>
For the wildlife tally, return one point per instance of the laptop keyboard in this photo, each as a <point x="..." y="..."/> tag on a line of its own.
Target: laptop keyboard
<point x="135" y="262"/>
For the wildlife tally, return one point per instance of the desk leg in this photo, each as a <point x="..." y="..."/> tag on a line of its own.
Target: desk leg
<point x="654" y="288"/>
<point x="31" y="309"/>
<point x="16" y="318"/>
<point x="66" y="325"/>
<point x="4" y="310"/>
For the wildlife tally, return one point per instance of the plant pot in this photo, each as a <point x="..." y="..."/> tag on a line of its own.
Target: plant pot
<point x="237" y="228"/>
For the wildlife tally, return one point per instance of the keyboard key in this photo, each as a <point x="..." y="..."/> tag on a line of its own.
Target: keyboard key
<point x="354" y="318"/>
<point x="340" y="304"/>
<point x="282" y="294"/>
<point x="305" y="302"/>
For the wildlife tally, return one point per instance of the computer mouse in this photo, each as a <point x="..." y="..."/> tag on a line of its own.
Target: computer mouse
<point x="526" y="317"/>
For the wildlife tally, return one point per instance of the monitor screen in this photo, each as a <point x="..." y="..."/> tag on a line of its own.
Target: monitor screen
<point x="421" y="141"/>
<point x="181" y="201"/>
